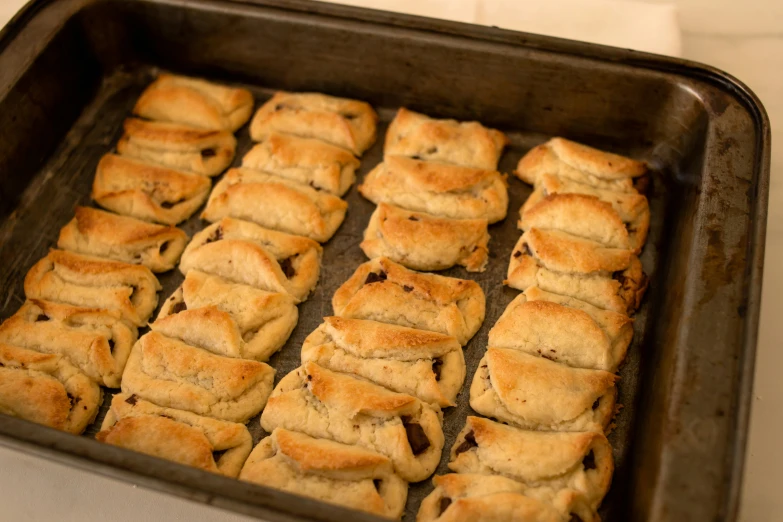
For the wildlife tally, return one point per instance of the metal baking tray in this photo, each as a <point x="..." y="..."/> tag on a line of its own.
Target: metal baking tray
<point x="70" y="71"/>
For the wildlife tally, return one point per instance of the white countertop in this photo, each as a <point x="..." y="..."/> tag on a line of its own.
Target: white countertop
<point x="743" y="38"/>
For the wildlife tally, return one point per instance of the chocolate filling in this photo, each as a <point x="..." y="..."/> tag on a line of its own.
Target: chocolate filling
<point x="131" y="400"/>
<point x="517" y="254"/>
<point x="41" y="317"/>
<point x="377" y="483"/>
<point x="316" y="187"/>
<point x="72" y="399"/>
<point x="437" y="365"/>
<point x="407" y="288"/>
<point x="372" y="277"/>
<point x="287" y="266"/>
<point x="445" y="502"/>
<point x="178" y="307"/>
<point x="349" y="116"/>
<point x="597" y="403"/>
<point x="432" y="150"/>
<point x="589" y="461"/>
<point x="413" y="218"/>
<point x="416" y="157"/>
<point x="111" y="346"/>
<point x="217" y="454"/>
<point x="280" y="106"/>
<point x="470" y="442"/>
<point x="217" y="236"/>
<point x="171" y="204"/>
<point x="416" y="437"/>
<point x="619" y="276"/>
<point x="164" y="246"/>
<point x="208" y="153"/>
<point x="527" y="250"/>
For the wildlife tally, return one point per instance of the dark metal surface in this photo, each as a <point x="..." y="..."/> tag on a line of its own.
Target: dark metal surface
<point x="71" y="70"/>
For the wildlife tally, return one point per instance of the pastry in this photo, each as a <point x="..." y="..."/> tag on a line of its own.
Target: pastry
<point x="350" y="410"/>
<point x="94" y="282"/>
<point x="381" y="290"/>
<point x="276" y="203"/>
<point x="205" y="152"/>
<point x="428" y="365"/>
<point x="173" y="374"/>
<point x="98" y="233"/>
<point x="563" y="264"/>
<point x="309" y="161"/>
<point x="578" y="461"/>
<point x="424" y="242"/>
<point x="265" y="319"/>
<point x="196" y="102"/>
<point x="247" y="253"/>
<point x="440" y="189"/>
<point x="209" y="328"/>
<point x="47" y="389"/>
<point x="349" y="124"/>
<point x="96" y="341"/>
<point x="145" y="191"/>
<point x="534" y="393"/>
<point x="184" y="437"/>
<point x="469" y="144"/>
<point x="348" y="476"/>
<point x="564" y="330"/>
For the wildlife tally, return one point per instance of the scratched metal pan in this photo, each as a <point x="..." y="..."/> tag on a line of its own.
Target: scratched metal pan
<point x="70" y="71"/>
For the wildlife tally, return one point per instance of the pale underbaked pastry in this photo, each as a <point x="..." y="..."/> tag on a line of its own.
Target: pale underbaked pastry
<point x="581" y="461"/>
<point x="468" y="497"/>
<point x="440" y="189"/>
<point x="351" y="410"/>
<point x="184" y="437"/>
<point x="96" y="341"/>
<point x="205" y="152"/>
<point x="573" y="161"/>
<point x="382" y="290"/>
<point x="345" y="475"/>
<point x="265" y="319"/>
<point x="47" y="389"/>
<point x="462" y="143"/>
<point x="425" y="242"/>
<point x="534" y="393"/>
<point x="196" y="102"/>
<point x="349" y="124"/>
<point x="563" y="264"/>
<point x="121" y="238"/>
<point x="142" y="190"/>
<point x="313" y="162"/>
<point x="96" y="283"/>
<point x="173" y="374"/>
<point x="564" y="330"/>
<point x="428" y="365"/>
<point x="244" y="252"/>
<point x="276" y="203"/>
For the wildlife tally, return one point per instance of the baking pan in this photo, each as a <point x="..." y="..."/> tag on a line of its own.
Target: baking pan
<point x="70" y="71"/>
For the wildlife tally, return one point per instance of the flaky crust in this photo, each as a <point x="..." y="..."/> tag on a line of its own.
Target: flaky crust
<point x="425" y="242"/>
<point x="275" y="203"/>
<point x="309" y="161"/>
<point x="196" y="102"/>
<point x="350" y="410"/>
<point x="209" y="328"/>
<point x="94" y="282"/>
<point x="440" y="189"/>
<point x="184" y="437"/>
<point x="98" y="233"/>
<point x="349" y="124"/>
<point x="462" y="143"/>
<point x="400" y="296"/>
<point x="348" y="476"/>
<point x="145" y="191"/>
<point x="534" y="393"/>
<point x="427" y="365"/>
<point x="175" y="375"/>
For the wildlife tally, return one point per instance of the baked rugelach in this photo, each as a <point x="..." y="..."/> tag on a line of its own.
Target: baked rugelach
<point x="537" y="394"/>
<point x="564" y="330"/>
<point x="425" y="242"/>
<point x="181" y="436"/>
<point x="382" y="290"/>
<point x="47" y="389"/>
<point x="560" y="263"/>
<point x="350" y="410"/>
<point x="93" y="282"/>
<point x="313" y="162"/>
<point x="97" y="233"/>
<point x="581" y="461"/>
<point x="576" y="162"/>
<point x="276" y="203"/>
<point x="349" y="124"/>
<point x="207" y="328"/>
<point x="205" y="152"/>
<point x="469" y="144"/>
<point x="428" y="365"/>
<point x="265" y="319"/>
<point x="196" y="102"/>
<point x="96" y="341"/>
<point x="440" y="189"/>
<point x="145" y="191"/>
<point x="170" y="373"/>
<point x="348" y="476"/>
<point x="248" y="253"/>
